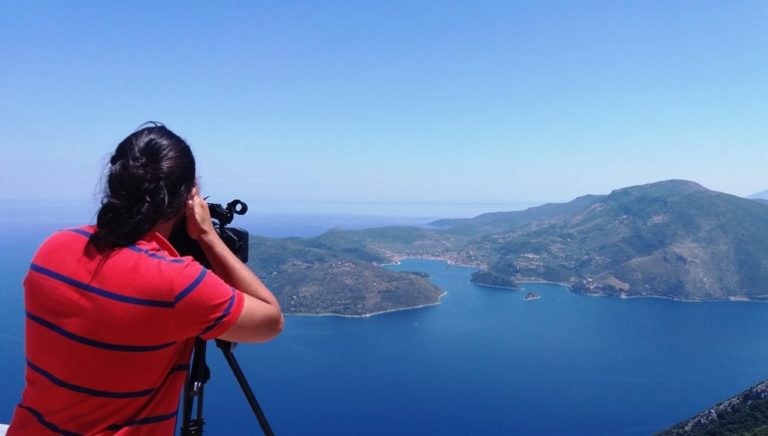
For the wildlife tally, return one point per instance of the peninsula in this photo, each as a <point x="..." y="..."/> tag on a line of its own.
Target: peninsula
<point x="312" y="278"/>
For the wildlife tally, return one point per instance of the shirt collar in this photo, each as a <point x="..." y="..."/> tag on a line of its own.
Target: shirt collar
<point x="161" y="242"/>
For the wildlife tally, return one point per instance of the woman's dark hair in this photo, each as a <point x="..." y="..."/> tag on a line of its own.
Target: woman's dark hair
<point x="150" y="176"/>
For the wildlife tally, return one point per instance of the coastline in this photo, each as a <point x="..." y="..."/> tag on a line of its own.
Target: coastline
<point x="368" y="315"/>
<point x="735" y="299"/>
<point x="544" y="282"/>
<point x="398" y="261"/>
<point x="509" y="288"/>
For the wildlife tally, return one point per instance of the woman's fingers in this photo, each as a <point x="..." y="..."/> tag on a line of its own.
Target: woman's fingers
<point x="198" y="216"/>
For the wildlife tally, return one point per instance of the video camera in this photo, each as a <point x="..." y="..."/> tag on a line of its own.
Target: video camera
<point x="235" y="238"/>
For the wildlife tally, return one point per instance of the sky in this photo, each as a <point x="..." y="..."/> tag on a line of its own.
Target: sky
<point x="397" y="107"/>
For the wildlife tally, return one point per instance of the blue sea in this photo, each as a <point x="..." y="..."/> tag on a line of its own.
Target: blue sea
<point x="484" y="361"/>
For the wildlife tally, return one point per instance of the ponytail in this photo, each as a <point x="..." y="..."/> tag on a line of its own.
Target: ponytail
<point x="150" y="175"/>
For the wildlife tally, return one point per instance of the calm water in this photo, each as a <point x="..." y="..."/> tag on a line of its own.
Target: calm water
<point x="483" y="362"/>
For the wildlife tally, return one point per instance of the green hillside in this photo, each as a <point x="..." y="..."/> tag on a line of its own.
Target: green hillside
<point x="309" y="276"/>
<point x="745" y="414"/>
<point x="673" y="238"/>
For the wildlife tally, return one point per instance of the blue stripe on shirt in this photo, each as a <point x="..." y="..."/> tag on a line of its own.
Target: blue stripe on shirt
<point x="222" y="316"/>
<point x="100" y="292"/>
<point x="134" y="248"/>
<point x="143" y="421"/>
<point x="191" y="287"/>
<point x="83" y="232"/>
<point x="94" y="343"/>
<point x="154" y="255"/>
<point x="87" y="391"/>
<point x="45" y="423"/>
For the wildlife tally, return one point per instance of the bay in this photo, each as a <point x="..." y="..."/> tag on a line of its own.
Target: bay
<point x="484" y="361"/>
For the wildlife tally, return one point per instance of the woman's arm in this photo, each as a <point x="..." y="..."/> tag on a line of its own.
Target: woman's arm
<point x="261" y="318"/>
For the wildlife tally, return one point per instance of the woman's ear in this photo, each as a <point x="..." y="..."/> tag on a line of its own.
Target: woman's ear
<point x="194" y="192"/>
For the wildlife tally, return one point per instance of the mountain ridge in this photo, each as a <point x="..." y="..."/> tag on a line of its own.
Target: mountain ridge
<point x="674" y="239"/>
<point x="762" y="195"/>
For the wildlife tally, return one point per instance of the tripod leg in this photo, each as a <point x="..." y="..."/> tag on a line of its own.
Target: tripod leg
<point x="226" y="348"/>
<point x="199" y="374"/>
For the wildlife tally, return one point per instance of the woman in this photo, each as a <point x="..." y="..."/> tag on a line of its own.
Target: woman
<point x="112" y="310"/>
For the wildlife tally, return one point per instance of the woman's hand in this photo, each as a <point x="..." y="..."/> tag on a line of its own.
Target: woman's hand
<point x="199" y="224"/>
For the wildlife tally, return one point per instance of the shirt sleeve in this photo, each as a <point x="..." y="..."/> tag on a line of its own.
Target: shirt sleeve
<point x="205" y="305"/>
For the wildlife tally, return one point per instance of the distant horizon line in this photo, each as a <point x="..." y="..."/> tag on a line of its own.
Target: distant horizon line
<point x="96" y="197"/>
<point x="79" y="210"/>
<point x="313" y="202"/>
<point x="492" y="205"/>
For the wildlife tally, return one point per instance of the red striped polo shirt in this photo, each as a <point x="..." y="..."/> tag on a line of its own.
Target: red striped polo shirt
<point x="109" y="338"/>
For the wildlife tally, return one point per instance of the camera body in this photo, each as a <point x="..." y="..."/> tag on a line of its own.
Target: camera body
<point x="236" y="239"/>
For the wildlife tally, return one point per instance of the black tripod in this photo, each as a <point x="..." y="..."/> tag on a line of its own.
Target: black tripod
<point x="199" y="374"/>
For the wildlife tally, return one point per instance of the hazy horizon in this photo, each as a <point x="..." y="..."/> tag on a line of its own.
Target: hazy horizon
<point x="413" y="210"/>
<point x="396" y="211"/>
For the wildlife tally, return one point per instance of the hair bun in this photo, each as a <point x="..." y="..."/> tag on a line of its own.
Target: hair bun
<point x="137" y="162"/>
<point x="150" y="175"/>
<point x="128" y="181"/>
